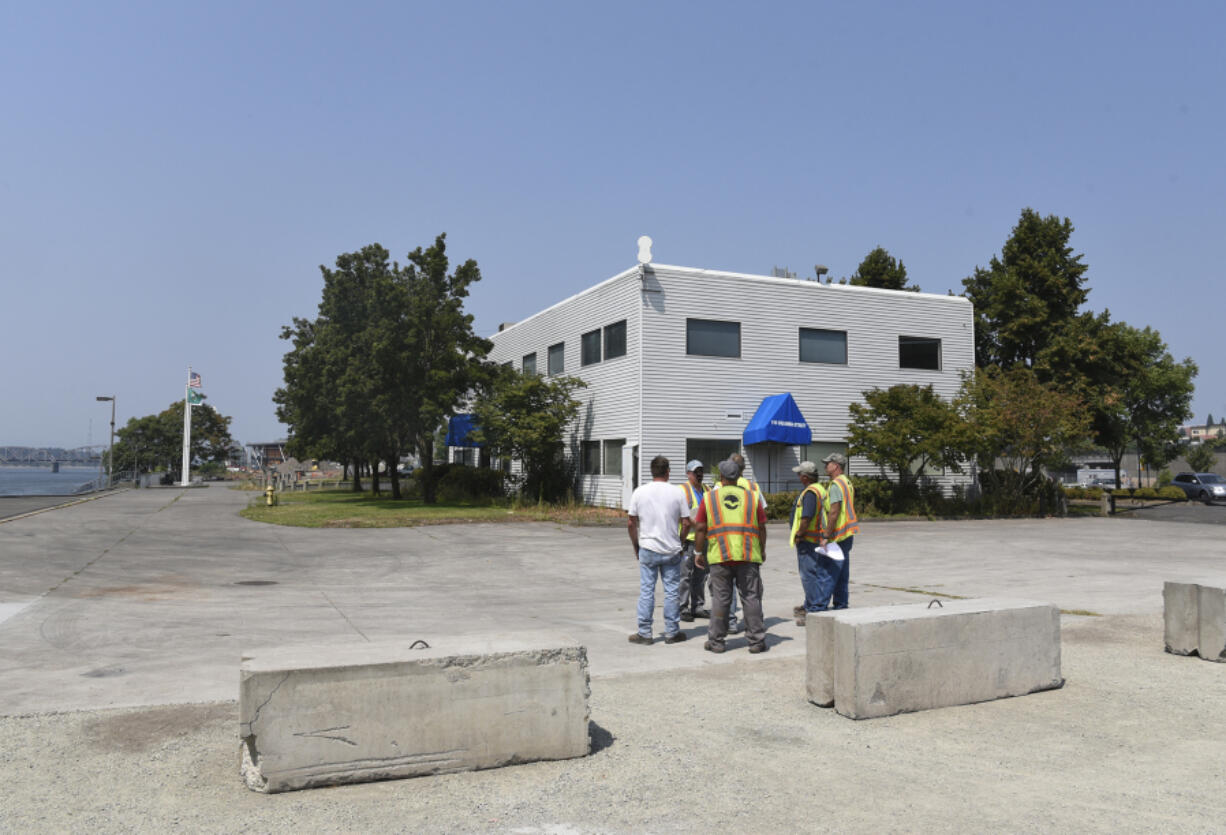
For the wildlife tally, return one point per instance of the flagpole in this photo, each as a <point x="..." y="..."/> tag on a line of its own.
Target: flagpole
<point x="187" y="428"/>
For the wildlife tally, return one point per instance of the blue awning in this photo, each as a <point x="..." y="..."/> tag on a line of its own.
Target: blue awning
<point x="779" y="421"/>
<point x="459" y="429"/>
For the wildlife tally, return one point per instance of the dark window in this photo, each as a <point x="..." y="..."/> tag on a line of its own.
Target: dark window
<point x="591" y="457"/>
<point x="919" y="352"/>
<point x="710" y="451"/>
<point x="557" y="358"/>
<point x="615" y="340"/>
<point x="710" y="338"/>
<point x="823" y="346"/>
<point x="589" y="347"/>
<point x="530" y="363"/>
<point x="613" y="456"/>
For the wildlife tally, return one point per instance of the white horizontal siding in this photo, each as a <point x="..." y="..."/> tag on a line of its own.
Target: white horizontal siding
<point x="693" y="397"/>
<point x="609" y="406"/>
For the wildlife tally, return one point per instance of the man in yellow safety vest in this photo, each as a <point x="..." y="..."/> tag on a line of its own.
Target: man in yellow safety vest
<point x="808" y="517"/>
<point x="693" y="593"/>
<point x="730" y="538"/>
<point x="841" y="526"/>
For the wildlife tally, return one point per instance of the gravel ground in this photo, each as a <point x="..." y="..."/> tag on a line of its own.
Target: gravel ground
<point x="1134" y="742"/>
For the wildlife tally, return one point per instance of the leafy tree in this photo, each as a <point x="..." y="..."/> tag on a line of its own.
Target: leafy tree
<point x="440" y="359"/>
<point x="906" y="428"/>
<point x="155" y="442"/>
<point x="1200" y="457"/>
<point x="1022" y="423"/>
<point x="880" y="269"/>
<point x="525" y="417"/>
<point x="1156" y="398"/>
<point x="1028" y="295"/>
<point x="389" y="357"/>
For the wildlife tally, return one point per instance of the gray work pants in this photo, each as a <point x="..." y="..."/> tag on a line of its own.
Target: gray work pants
<point x="693" y="582"/>
<point x="748" y="581"/>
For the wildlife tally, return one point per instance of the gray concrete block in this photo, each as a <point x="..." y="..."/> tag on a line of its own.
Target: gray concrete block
<point x="325" y="715"/>
<point x="819" y="657"/>
<point x="1181" y="617"/>
<point x="897" y="659"/>
<point x="1211" y="632"/>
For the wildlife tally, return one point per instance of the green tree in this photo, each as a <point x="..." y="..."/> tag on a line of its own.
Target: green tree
<point x="1156" y="397"/>
<point x="155" y="442"/>
<point x="1209" y="421"/>
<point x="440" y="360"/>
<point x="525" y="417"/>
<point x="906" y="428"/>
<point x="1017" y="421"/>
<point x="880" y="269"/>
<point x="1200" y="457"/>
<point x="1028" y="295"/>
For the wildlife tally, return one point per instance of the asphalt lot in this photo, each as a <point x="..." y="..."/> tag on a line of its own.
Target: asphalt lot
<point x="122" y="621"/>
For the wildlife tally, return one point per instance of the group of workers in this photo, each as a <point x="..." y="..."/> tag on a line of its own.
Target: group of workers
<point x="682" y="537"/>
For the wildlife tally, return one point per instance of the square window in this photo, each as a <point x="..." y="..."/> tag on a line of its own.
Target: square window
<point x="823" y="346"/>
<point x="615" y="340"/>
<point x="919" y="352"/>
<point x="557" y="358"/>
<point x="589" y="347"/>
<point x="591" y="457"/>
<point x="613" y="456"/>
<point x="530" y="363"/>
<point x="710" y="451"/>
<point x="712" y="338"/>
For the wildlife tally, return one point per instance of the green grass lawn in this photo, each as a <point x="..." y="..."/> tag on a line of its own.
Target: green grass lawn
<point x="346" y="509"/>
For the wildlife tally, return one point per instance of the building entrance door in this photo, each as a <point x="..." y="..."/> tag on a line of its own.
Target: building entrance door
<point x="630" y="471"/>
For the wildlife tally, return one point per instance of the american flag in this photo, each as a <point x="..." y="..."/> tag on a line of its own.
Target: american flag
<point x="193" y="380"/>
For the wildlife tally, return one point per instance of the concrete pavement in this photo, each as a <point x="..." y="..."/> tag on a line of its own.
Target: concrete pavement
<point x="149" y="596"/>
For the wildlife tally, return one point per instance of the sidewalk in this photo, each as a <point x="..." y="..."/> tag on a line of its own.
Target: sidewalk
<point x="143" y="598"/>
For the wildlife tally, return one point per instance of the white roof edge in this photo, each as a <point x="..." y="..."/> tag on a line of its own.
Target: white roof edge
<point x="700" y="271"/>
<point x="623" y="274"/>
<point x="843" y="288"/>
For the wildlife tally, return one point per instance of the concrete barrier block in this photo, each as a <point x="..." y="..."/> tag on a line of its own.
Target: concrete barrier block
<point x="897" y="659"/>
<point x="1181" y="617"/>
<point x="320" y="716"/>
<point x="819" y="657"/>
<point x="1211" y="632"/>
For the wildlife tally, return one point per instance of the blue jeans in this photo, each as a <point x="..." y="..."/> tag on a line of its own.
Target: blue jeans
<point x="811" y="577"/>
<point x="832" y="579"/>
<point x="668" y="568"/>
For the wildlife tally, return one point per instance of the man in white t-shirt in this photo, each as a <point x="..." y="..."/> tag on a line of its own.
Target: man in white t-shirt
<point x="659" y="518"/>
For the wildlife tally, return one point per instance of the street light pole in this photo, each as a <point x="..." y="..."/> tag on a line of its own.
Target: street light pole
<point x="110" y="451"/>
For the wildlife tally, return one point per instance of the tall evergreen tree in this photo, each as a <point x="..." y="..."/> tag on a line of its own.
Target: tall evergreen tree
<point x="880" y="269"/>
<point x="1029" y="294"/>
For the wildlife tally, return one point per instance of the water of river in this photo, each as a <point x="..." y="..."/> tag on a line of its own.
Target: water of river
<point x="40" y="481"/>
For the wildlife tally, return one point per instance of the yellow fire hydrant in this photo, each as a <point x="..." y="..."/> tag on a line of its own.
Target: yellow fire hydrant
<point x="270" y="496"/>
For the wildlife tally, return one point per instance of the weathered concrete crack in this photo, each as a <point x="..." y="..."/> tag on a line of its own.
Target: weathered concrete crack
<point x="249" y="727"/>
<point x="324" y="733"/>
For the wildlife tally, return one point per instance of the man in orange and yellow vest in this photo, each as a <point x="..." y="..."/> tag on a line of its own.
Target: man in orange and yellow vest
<point x="841" y="526"/>
<point x="808" y="521"/>
<point x="693" y="579"/>
<point x="730" y="538"/>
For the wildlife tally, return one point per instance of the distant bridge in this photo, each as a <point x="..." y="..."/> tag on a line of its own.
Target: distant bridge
<point x="25" y="456"/>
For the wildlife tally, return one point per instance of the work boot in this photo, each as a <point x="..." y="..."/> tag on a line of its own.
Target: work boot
<point x="797" y="611"/>
<point x="800" y="618"/>
<point x="688" y="617"/>
<point x="754" y="649"/>
<point x="636" y="638"/>
<point x="675" y="638"/>
<point x="711" y="646"/>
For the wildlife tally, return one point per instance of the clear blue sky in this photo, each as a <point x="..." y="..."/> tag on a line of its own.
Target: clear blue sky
<point x="174" y="174"/>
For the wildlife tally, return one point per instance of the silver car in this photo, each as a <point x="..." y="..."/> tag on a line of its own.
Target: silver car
<point x="1205" y="487"/>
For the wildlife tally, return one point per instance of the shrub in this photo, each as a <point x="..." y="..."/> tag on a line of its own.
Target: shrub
<point x="1164" y="478"/>
<point x="461" y="484"/>
<point x="779" y="505"/>
<point x="874" y="495"/>
<point x="1122" y="492"/>
<point x="1172" y="493"/>
<point x="1146" y="493"/>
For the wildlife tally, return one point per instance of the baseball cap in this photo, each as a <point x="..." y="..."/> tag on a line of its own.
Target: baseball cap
<point x="729" y="469"/>
<point x="694" y="465"/>
<point x="837" y="457"/>
<point x="806" y="468"/>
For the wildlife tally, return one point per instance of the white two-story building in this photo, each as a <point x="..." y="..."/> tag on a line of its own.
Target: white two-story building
<point x="693" y="363"/>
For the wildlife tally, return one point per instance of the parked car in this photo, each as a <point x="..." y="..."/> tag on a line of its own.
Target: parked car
<point x="1203" y="487"/>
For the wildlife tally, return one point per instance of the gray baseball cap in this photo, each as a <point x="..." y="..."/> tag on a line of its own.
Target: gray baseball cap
<point x="806" y="468"/>
<point x="729" y="469"/>
<point x="837" y="457"/>
<point x="694" y="465"/>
